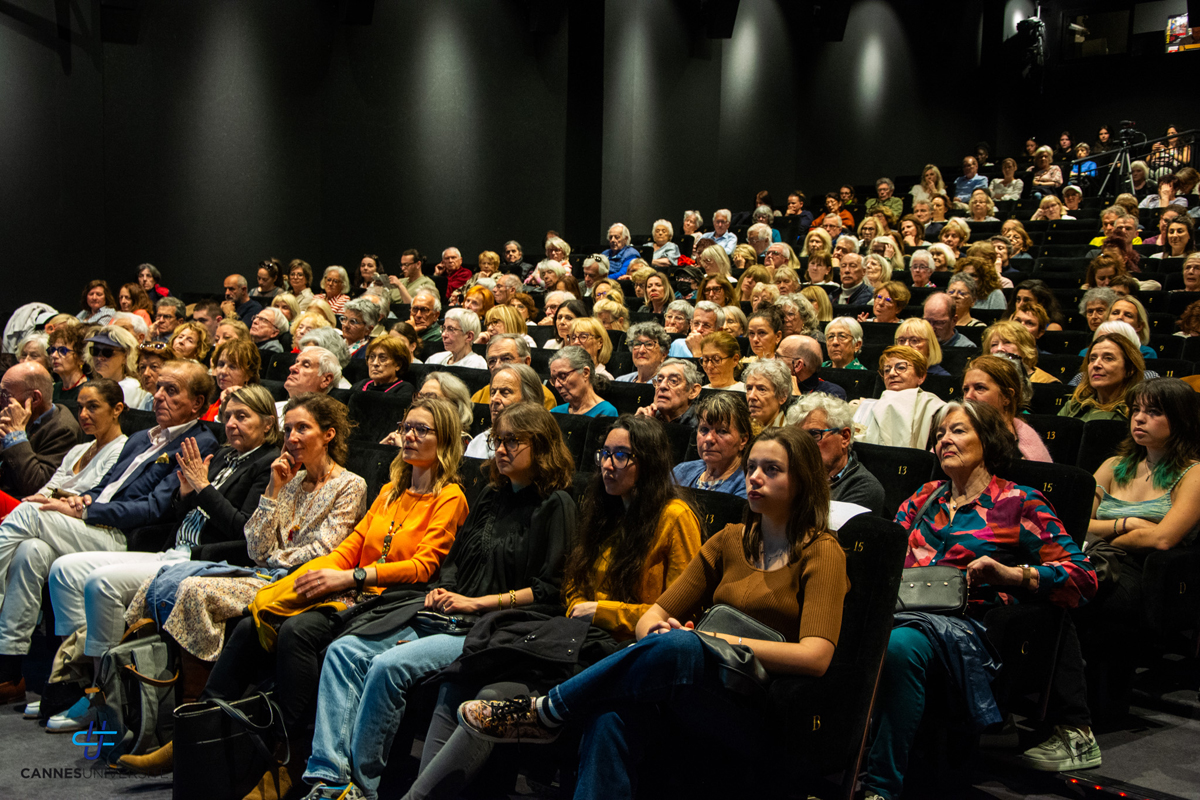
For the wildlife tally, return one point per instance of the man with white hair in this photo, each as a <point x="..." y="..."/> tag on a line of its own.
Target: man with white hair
<point x="619" y="253"/>
<point x="505" y="350"/>
<point x="855" y="291"/>
<point x="830" y="421"/>
<point x="720" y="232"/>
<point x="506" y="289"/>
<point x="553" y="301"/>
<point x="315" y="370"/>
<point x="676" y="387"/>
<point x="594" y="268"/>
<point x="759" y="237"/>
<point x="424" y="312"/>
<point x="238" y="302"/>
<point x="802" y="355"/>
<point x="884" y="189"/>
<point x="452" y="267"/>
<point x="265" y="329"/>
<point x="707" y="318"/>
<point x="132" y="323"/>
<point x="833" y="226"/>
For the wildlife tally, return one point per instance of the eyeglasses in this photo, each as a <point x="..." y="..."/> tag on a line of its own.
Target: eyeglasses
<point x="379" y="358"/>
<point x="642" y="345"/>
<point x="508" y="442"/>
<point x="348" y="320"/>
<point x="580" y="338"/>
<point x="60" y="350"/>
<point x="899" y="368"/>
<point x="885" y="299"/>
<point x="819" y="433"/>
<point x="496" y="361"/>
<point x="416" y="429"/>
<point x="712" y="361"/>
<point x="559" y="377"/>
<point x="838" y="337"/>
<point x="104" y="352"/>
<point x="907" y="341"/>
<point x="672" y="381"/>
<point x="451" y="329"/>
<point x="421" y="310"/>
<point x="620" y="458"/>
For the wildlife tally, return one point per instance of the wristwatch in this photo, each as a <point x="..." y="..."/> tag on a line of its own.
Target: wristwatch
<point x="360" y="578"/>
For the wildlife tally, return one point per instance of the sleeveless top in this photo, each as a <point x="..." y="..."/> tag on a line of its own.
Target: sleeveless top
<point x="1152" y="510"/>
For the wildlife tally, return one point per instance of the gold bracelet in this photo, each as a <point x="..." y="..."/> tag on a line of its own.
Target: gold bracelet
<point x="512" y="598"/>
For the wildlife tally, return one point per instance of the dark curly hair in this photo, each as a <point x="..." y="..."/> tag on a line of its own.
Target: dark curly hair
<point x="328" y="413"/>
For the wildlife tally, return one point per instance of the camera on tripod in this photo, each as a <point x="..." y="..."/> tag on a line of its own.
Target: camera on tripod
<point x="1127" y="131"/>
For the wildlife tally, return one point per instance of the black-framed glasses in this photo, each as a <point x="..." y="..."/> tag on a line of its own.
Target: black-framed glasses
<point x="61" y="350"/>
<point x="496" y="361"/>
<point x="712" y="361"/>
<point x="153" y="347"/>
<point x="672" y="381"/>
<point x="415" y="428"/>
<point x="561" y="376"/>
<point x="642" y="345"/>
<point x="819" y="433"/>
<point x="509" y="442"/>
<point x="620" y="458"/>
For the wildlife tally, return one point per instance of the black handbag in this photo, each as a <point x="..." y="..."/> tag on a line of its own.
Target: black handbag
<point x="450" y="624"/>
<point x="933" y="589"/>
<point x="726" y="619"/>
<point x="222" y="749"/>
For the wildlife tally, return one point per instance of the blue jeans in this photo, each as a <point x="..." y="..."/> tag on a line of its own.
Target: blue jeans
<point x="361" y="703"/>
<point x="901" y="704"/>
<point x="622" y="699"/>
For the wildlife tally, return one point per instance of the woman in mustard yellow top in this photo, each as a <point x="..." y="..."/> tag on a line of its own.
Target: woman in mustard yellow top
<point x="636" y="536"/>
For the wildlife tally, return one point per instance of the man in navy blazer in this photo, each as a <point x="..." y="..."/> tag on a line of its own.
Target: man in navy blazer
<point x="137" y="491"/>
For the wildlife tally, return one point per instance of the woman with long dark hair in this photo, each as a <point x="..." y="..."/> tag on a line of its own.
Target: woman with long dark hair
<point x="636" y="536"/>
<point x="781" y="566"/>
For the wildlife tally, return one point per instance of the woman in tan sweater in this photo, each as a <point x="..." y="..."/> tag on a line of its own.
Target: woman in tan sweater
<point x="782" y="567"/>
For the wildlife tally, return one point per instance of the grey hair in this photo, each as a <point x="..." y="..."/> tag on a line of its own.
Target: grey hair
<point x="520" y="249"/>
<point x="456" y="392"/>
<point x="763" y="210"/>
<point x="776" y="374"/>
<point x="531" y="384"/>
<point x="650" y="330"/>
<point x="381" y="294"/>
<point x="712" y="308"/>
<point x="601" y="261"/>
<point x="511" y="281"/>
<point x="240" y="280"/>
<point x="964" y="279"/>
<point x="42" y="341"/>
<point x="851" y="240"/>
<point x="467" y="319"/>
<point x="153" y="270"/>
<point x="559" y="297"/>
<point x="722" y="212"/>
<point x="1099" y="294"/>
<point x="885" y="182"/>
<point x="682" y="306"/>
<point x="1116" y="211"/>
<point x="137" y="322"/>
<point x="279" y="319"/>
<point x="1119" y="327"/>
<point x="691" y="373"/>
<point x="670" y="228"/>
<point x="804" y="308"/>
<point x="838" y="413"/>
<point x="454" y="250"/>
<point x="625" y="236"/>
<point x="759" y="231"/>
<point x="437" y="301"/>
<point x="850" y="324"/>
<point x="175" y="303"/>
<point x="559" y="243"/>
<point x="327" y="363"/>
<point x="578" y="358"/>
<point x="340" y="271"/>
<point x="368" y="310"/>
<point x="515" y="338"/>
<point x="694" y="215"/>
<point x="923" y="254"/>
<point x="330" y="340"/>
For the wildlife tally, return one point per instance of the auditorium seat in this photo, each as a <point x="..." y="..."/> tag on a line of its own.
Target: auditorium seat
<point x="133" y="420"/>
<point x="901" y="470"/>
<point x="1171" y="367"/>
<point x="473" y="478"/>
<point x="574" y="429"/>
<point x="1061" y="435"/>
<point x="858" y="383"/>
<point x="717" y="509"/>
<point x="627" y="397"/>
<point x="1100" y="441"/>
<point x="1069" y="490"/>
<point x="375" y="415"/>
<point x="277" y="368"/>
<point x="1048" y="398"/>
<point x="372" y="462"/>
<point x="1064" y="367"/>
<point x="481" y="418"/>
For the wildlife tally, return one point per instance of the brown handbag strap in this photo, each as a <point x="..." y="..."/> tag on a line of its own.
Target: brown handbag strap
<point x="152" y="681"/>
<point x="138" y="629"/>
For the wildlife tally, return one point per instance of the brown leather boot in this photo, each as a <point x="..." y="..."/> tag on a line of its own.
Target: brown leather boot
<point x="160" y="762"/>
<point x="12" y="692"/>
<point x="193" y="676"/>
<point x="274" y="785"/>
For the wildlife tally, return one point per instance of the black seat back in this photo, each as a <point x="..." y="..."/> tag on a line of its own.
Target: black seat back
<point x="1100" y="440"/>
<point x="375" y="414"/>
<point x="373" y="463"/>
<point x="1061" y="435"/>
<point x="901" y="470"/>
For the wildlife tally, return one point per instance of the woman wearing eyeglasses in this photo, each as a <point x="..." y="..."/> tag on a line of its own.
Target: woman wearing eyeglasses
<point x="962" y="288"/>
<point x="636" y="536"/>
<point x="458" y="334"/>
<point x="901" y="416"/>
<point x="719" y="355"/>
<point x="334" y="284"/>
<point x="648" y="344"/>
<point x="891" y="298"/>
<point x="843" y="340"/>
<point x="387" y="363"/>
<point x="508" y="554"/>
<point x="588" y="333"/>
<point x="573" y="376"/>
<point x="66" y="357"/>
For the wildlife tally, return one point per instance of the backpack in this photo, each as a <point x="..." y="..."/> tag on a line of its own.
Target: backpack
<point x="135" y="691"/>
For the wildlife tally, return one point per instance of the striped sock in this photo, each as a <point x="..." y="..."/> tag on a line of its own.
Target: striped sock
<point x="547" y="714"/>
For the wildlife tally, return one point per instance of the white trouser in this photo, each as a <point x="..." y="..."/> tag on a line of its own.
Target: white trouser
<point x="92" y="590"/>
<point x="30" y="541"/>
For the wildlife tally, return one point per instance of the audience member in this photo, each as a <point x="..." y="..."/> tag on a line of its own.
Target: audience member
<point x="238" y="303"/>
<point x="511" y="383"/>
<point x="573" y="376"/>
<point x="901" y="416"/>
<point x="855" y="292"/>
<point x="940" y="312"/>
<point x="35" y="433"/>
<point x="1000" y="382"/>
<point x="676" y="387"/>
<point x="802" y="355"/>
<point x="768" y="386"/>
<point x="722" y="432"/>
<point x="830" y="422"/>
<point x="315" y="370"/>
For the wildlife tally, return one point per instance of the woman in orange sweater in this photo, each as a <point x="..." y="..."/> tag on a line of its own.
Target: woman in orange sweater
<point x="636" y="537"/>
<point x="782" y="567"/>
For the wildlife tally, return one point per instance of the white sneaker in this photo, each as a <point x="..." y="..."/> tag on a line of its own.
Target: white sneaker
<point x="75" y="718"/>
<point x="32" y="709"/>
<point x="1067" y="749"/>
